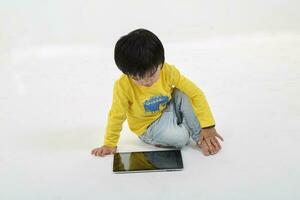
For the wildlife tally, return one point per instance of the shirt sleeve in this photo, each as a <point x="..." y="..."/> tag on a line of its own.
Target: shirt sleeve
<point x="116" y="116"/>
<point x="195" y="94"/>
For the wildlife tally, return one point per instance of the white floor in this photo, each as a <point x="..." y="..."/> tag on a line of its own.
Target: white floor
<point x="54" y="101"/>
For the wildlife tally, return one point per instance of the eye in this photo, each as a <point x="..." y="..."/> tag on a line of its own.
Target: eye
<point x="135" y="78"/>
<point x="154" y="72"/>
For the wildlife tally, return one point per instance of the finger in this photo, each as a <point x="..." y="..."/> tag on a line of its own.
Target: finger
<point x="209" y="150"/>
<point x="99" y="152"/>
<point x="219" y="136"/>
<point x="206" y="152"/>
<point x="218" y="143"/>
<point x="104" y="152"/>
<point x="213" y="149"/>
<point x="200" y="140"/>
<point x="205" y="149"/>
<point x="215" y="144"/>
<point x="93" y="151"/>
<point x="208" y="142"/>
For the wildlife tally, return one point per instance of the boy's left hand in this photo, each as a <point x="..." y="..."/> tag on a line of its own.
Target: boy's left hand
<point x="208" y="141"/>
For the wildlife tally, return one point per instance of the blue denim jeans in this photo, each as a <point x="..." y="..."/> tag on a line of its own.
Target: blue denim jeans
<point x="176" y="125"/>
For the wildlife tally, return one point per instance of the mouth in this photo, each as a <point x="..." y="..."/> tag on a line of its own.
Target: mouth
<point x="148" y="85"/>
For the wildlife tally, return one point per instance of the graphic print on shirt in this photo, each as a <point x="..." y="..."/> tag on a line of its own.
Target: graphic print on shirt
<point x="154" y="104"/>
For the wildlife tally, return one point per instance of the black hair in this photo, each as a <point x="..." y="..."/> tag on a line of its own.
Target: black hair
<point x="139" y="52"/>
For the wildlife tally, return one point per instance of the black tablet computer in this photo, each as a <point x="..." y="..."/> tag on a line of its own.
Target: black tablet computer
<point x="147" y="161"/>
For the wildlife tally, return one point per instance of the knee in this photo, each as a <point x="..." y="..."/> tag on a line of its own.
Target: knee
<point x="177" y="94"/>
<point x="180" y="137"/>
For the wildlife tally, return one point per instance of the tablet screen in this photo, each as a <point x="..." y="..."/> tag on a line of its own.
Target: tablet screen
<point x="147" y="161"/>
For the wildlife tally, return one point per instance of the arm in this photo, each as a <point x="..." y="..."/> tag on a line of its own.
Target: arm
<point x="116" y="117"/>
<point x="208" y="139"/>
<point x="195" y="94"/>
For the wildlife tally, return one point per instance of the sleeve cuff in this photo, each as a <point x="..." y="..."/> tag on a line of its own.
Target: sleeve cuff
<point x="208" y="126"/>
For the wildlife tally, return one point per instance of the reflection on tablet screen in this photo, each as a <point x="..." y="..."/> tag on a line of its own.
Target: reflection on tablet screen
<point x="147" y="161"/>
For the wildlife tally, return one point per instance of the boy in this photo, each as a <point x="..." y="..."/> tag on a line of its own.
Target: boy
<point x="162" y="107"/>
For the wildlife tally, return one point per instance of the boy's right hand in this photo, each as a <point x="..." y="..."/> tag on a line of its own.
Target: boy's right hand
<point x="103" y="151"/>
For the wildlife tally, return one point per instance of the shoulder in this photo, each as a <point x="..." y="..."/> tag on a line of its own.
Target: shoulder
<point x="166" y="67"/>
<point x="169" y="68"/>
<point x="122" y="84"/>
<point x="170" y="73"/>
<point x="122" y="80"/>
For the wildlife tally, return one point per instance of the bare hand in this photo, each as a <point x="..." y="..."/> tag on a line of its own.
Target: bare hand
<point x="208" y="141"/>
<point x="103" y="151"/>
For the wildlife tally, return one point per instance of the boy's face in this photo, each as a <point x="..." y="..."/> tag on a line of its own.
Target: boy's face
<point x="149" y="79"/>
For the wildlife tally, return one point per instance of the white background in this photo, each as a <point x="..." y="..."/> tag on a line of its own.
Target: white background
<point x="56" y="77"/>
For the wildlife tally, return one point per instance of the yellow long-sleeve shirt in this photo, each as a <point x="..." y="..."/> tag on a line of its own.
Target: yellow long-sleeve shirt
<point x="143" y="105"/>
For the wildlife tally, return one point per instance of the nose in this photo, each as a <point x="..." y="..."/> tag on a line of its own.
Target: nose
<point x="147" y="83"/>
